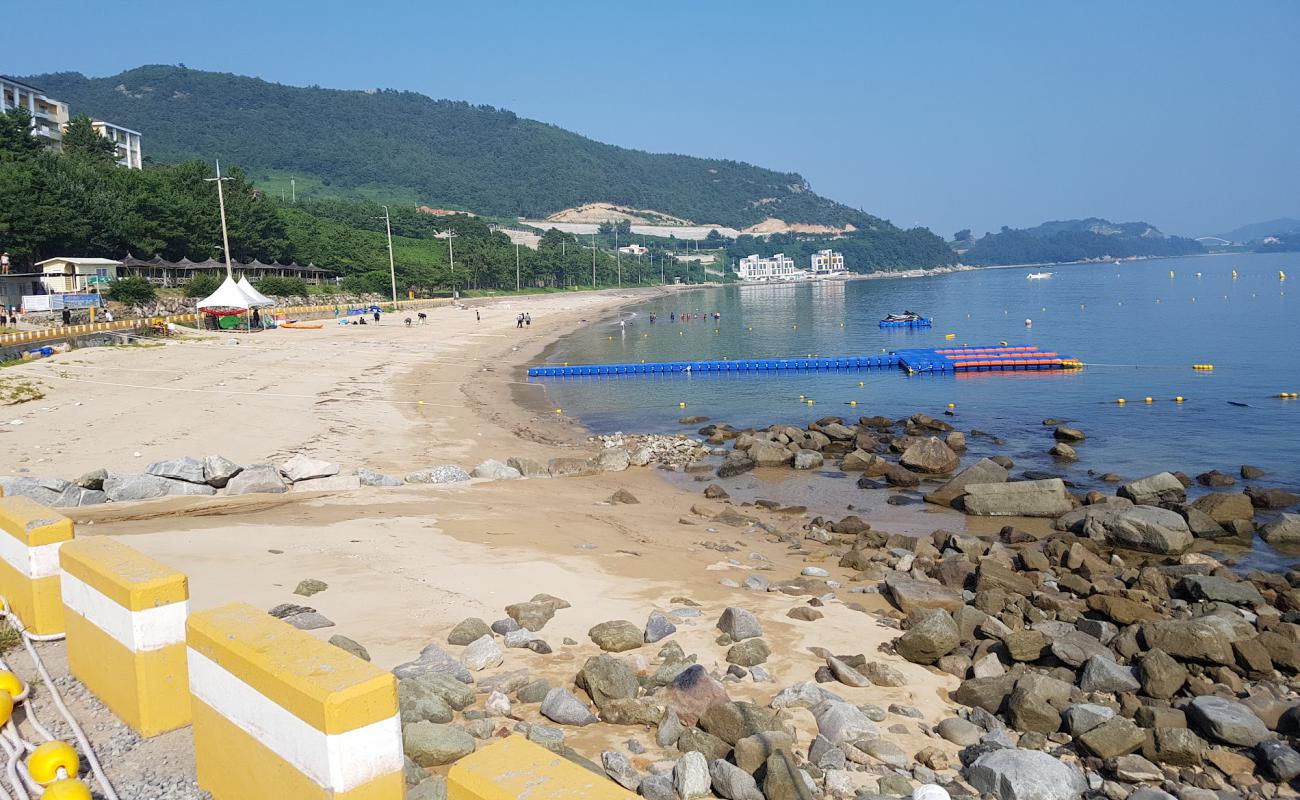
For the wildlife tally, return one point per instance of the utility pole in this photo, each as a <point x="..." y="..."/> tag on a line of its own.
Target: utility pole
<point x="293" y="190"/>
<point x="662" y="282"/>
<point x="225" y="236"/>
<point x="451" y="257"/>
<point x="516" y="266"/>
<point x="593" y="261"/>
<point x="618" y="260"/>
<point x="392" y="270"/>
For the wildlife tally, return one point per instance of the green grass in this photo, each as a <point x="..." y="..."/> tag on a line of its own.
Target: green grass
<point x="9" y="637"/>
<point x="18" y="390"/>
<point x="274" y="182"/>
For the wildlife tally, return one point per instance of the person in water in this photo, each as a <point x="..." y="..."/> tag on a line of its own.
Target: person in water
<point x="672" y="316"/>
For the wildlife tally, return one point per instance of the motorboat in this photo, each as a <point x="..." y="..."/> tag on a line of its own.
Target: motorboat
<point x="1038" y="276"/>
<point x="906" y="316"/>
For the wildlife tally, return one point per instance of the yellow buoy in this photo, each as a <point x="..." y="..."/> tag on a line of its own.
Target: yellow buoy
<point x="751" y="328"/>
<point x="1234" y="274"/>
<point x="1171" y="273"/>
<point x="801" y="397"/>
<point x="1121" y="401"/>
<point x="1147" y="400"/>
<point x="419" y="402"/>
<point x="11" y="683"/>
<point x="950" y="336"/>
<point x="1003" y="342"/>
<point x="1178" y="399"/>
<point x="853" y="402"/>
<point x="47" y="759"/>
<point x="681" y="405"/>
<point x="810" y="402"/>
<point x="681" y="333"/>
<point x="566" y="363"/>
<point x="861" y="384"/>
<point x="559" y="411"/>
<point x="951" y="406"/>
<point x="6" y="707"/>
<point x="67" y="789"/>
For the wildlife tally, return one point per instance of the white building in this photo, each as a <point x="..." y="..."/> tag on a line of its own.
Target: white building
<point x="64" y="275"/>
<point x="776" y="268"/>
<point x="127" y="141"/>
<point x="827" y="262"/>
<point x="48" y="115"/>
<point x="634" y="250"/>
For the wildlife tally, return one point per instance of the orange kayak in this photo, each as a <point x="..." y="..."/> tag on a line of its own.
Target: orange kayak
<point x="303" y="325"/>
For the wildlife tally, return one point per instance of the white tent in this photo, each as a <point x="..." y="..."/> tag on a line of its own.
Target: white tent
<point x="258" y="299"/>
<point x="227" y="297"/>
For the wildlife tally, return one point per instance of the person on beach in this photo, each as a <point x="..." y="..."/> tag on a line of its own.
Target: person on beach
<point x="477" y="316"/>
<point x="257" y="319"/>
<point x="519" y="321"/>
<point x="108" y="315"/>
<point x="376" y="316"/>
<point x="528" y="319"/>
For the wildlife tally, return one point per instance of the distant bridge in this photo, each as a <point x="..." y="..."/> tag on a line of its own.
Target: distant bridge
<point x="1218" y="239"/>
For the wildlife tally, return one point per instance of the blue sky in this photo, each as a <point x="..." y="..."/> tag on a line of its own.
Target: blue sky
<point x="950" y="115"/>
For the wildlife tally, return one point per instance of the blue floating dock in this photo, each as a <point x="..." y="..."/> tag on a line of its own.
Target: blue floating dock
<point x="906" y="323"/>
<point x="941" y="360"/>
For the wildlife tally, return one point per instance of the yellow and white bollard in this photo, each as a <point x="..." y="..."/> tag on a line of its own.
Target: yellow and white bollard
<point x="125" y="617"/>
<point x="515" y="767"/>
<point x="29" y="562"/>
<point x="280" y="714"/>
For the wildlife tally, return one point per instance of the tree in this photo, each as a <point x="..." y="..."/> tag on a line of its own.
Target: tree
<point x="81" y="140"/>
<point x="202" y="285"/>
<point x="16" y="139"/>
<point x="131" y="291"/>
<point x="963" y="236"/>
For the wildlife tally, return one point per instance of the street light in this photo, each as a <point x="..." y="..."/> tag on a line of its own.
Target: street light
<point x="221" y="202"/>
<point x="392" y="270"/>
<point x="451" y="257"/>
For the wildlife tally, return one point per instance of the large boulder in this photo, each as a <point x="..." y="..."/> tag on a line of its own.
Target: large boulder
<point x="692" y="693"/>
<point x="910" y="594"/>
<point x="431" y="745"/>
<point x="305" y="468"/>
<point x="1285" y="530"/>
<point x="605" y="678"/>
<point x="769" y="454"/>
<point x="1225" y="507"/>
<point x="445" y="473"/>
<point x="842" y="722"/>
<point x="560" y="705"/>
<point x="125" y="487"/>
<point x="930" y="638"/>
<point x="180" y="469"/>
<point x="1221" y="590"/>
<point x="75" y="496"/>
<point x="983" y="471"/>
<point x="42" y="490"/>
<point x="1041" y="498"/>
<point x="494" y="470"/>
<point x="217" y="470"/>
<point x="739" y="624"/>
<point x="1011" y="774"/>
<point x="863" y="461"/>
<point x="528" y="467"/>
<point x="616" y="636"/>
<point x="257" y="479"/>
<point x="1146" y="528"/>
<point x="369" y="477"/>
<point x="1204" y="639"/>
<point x="1154" y="490"/>
<point x="930" y="456"/>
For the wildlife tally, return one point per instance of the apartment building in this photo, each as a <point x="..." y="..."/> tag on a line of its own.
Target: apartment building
<point x="50" y="117"/>
<point x="827" y="262"/>
<point x="777" y="268"/>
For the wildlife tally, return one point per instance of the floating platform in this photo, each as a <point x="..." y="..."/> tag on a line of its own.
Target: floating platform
<point x="950" y="359"/>
<point x="906" y="323"/>
<point x="983" y="359"/>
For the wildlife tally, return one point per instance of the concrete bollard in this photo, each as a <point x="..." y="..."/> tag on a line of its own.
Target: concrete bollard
<point x="280" y="714"/>
<point x="125" y="616"/>
<point x="515" y="767"/>
<point x="29" y="562"/>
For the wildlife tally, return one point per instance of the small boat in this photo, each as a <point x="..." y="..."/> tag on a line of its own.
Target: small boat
<point x="1038" y="276"/>
<point x="303" y="326"/>
<point x="908" y="319"/>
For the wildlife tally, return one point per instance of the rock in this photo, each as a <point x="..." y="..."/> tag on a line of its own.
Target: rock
<point x="784" y="781"/>
<point x="658" y="787"/>
<point x="1261" y="497"/>
<point x="310" y="586"/>
<point x="369" y="477"/>
<point x="1063" y="452"/>
<point x="179" y="469"/>
<point x="483" y="653"/>
<point x="1227" y="721"/>
<point x="534" y="692"/>
<point x="1102" y="674"/>
<point x="863" y="461"/>
<point x="932" y="636"/>
<point x="930" y="456"/>
<point x="1028" y="711"/>
<point x="1075" y="647"/>
<point x="882" y="674"/>
<point x="1221" y="590"/>
<point x="434" y="787"/>
<point x="446" y="473"/>
<point x="1225" y="507"/>
<point x="305" y="468"/>
<point x="1039" y="498"/>
<point x="1067" y="434"/>
<point x="807" y="459"/>
<point x="731" y="782"/>
<point x="1279" y="760"/>
<point x="748" y="653"/>
<point x="804" y="614"/>
<point x="841" y="722"/>
<point x="616" y="636"/>
<point x="497" y="705"/>
<point x="694" y="692"/>
<point x="561" y="706"/>
<point x="732" y="722"/>
<point x="910" y="594"/>
<point x="257" y="479"/>
<point x="432" y="745"/>
<point x="1026" y="645"/>
<point x="334" y="483"/>
<point x="528" y="467"/>
<point x="1115" y="737"/>
<point x="532" y="615"/>
<point x="75" y="497"/>
<point x="1178" y="747"/>
<point x="413" y="696"/>
<point x="735" y="466"/>
<point x="658" y="627"/>
<point x="94" y="479"/>
<point x="715" y="492"/>
<point x="494" y="470"/>
<point x="45" y="491"/>
<point x="1285" y="530"/>
<point x="1204" y="639"/>
<point x="1154" y="490"/>
<point x="884" y="751"/>
<point x="613" y="459"/>
<point x="468" y="631"/>
<point x="606" y="678"/>
<point x="1251" y="473"/>
<point x="123" y="487"/>
<point x="623" y="497"/>
<point x="1146" y="528"/>
<point x="1083" y="717"/>
<point x="739" y="624"/>
<point x="845" y="674"/>
<point x="1202" y="525"/>
<point x="1134" y="768"/>
<point x="959" y="731"/>
<point x="691" y="776"/>
<point x="433" y="660"/>
<point x="983" y="471"/>
<point x="985" y="693"/>
<point x="1161" y="675"/>
<point x="1215" y="479"/>
<point x="344" y="643"/>
<point x="620" y="770"/>
<point x="1011" y="774"/>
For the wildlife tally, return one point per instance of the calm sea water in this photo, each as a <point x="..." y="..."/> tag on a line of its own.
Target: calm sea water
<point x="1138" y="329"/>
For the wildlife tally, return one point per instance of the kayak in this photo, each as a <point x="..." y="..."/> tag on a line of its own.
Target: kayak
<point x="311" y="326"/>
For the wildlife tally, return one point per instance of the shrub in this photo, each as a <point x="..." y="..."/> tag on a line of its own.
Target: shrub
<point x="281" y="287"/>
<point x="131" y="291"/>
<point x="202" y="285"/>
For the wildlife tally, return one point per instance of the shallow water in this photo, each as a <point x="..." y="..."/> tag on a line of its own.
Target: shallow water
<point x="1138" y="329"/>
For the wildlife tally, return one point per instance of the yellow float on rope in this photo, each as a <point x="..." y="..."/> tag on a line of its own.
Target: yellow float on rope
<point x="67" y="789"/>
<point x="6" y="707"/>
<point x="1178" y="399"/>
<point x="1120" y="401"/>
<point x="48" y="758"/>
<point x="11" y="684"/>
<point x="681" y="405"/>
<point x="950" y="336"/>
<point x="1147" y="400"/>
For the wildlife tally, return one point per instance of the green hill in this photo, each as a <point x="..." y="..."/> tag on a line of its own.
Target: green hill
<point x="1076" y="240"/>
<point x="403" y="146"/>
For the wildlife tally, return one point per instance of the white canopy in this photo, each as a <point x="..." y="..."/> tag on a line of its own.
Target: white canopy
<point x="227" y="297"/>
<point x="259" y="300"/>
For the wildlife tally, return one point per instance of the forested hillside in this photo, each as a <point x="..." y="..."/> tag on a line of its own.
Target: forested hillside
<point x="1076" y="240"/>
<point x="441" y="152"/>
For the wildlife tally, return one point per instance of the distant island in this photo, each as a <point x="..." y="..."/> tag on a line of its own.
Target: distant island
<point x="1071" y="240"/>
